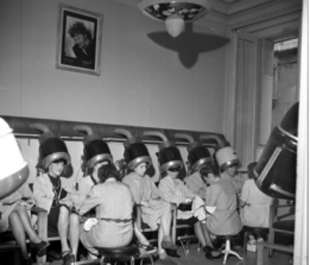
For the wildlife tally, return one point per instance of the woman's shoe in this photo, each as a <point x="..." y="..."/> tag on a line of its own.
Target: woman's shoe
<point x="168" y="244"/>
<point x="208" y="253"/>
<point x="150" y="249"/>
<point x="67" y="258"/>
<point x="40" y="247"/>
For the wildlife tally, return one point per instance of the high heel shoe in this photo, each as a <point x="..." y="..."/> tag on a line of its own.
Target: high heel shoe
<point x="208" y="253"/>
<point x="40" y="247"/>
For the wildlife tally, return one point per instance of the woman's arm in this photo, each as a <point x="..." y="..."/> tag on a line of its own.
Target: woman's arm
<point x="40" y="194"/>
<point x="186" y="191"/>
<point x="211" y="196"/>
<point x="169" y="192"/>
<point x="92" y="201"/>
<point x="135" y="192"/>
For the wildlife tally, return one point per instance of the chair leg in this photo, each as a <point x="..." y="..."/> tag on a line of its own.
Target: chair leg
<point x="183" y="247"/>
<point x="199" y="247"/>
<point x="150" y="257"/>
<point x="101" y="260"/>
<point x="245" y="243"/>
<point x="228" y="251"/>
<point x="271" y="240"/>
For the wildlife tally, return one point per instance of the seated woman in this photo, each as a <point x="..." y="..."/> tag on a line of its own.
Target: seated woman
<point x="254" y="204"/>
<point x="113" y="226"/>
<point x="196" y="183"/>
<point x="175" y="191"/>
<point x="155" y="211"/>
<point x="231" y="173"/>
<point x="14" y="216"/>
<point x="221" y="196"/>
<point x="88" y="182"/>
<point x="53" y="193"/>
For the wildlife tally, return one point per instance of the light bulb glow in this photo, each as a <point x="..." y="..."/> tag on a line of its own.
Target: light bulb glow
<point x="174" y="25"/>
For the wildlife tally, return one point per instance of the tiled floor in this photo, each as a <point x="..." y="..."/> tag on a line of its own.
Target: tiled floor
<point x="195" y="257"/>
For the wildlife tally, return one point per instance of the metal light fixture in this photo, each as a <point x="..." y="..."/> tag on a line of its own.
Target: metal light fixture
<point x="175" y="13"/>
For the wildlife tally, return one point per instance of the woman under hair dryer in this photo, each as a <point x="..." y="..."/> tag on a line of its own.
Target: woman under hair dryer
<point x="198" y="155"/>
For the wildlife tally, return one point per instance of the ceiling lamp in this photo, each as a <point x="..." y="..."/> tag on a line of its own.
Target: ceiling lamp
<point x="175" y="13"/>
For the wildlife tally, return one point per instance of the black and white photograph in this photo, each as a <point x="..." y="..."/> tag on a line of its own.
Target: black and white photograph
<point x="79" y="40"/>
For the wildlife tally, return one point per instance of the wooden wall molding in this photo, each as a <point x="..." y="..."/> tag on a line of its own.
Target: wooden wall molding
<point x="64" y="129"/>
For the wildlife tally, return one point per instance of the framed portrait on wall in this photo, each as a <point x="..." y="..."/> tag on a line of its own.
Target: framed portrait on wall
<point x="79" y="40"/>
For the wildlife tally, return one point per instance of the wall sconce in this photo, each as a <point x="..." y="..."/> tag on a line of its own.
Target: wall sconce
<point x="175" y="13"/>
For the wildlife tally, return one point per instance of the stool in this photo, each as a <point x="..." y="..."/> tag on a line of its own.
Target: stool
<point x="227" y="251"/>
<point x="123" y="254"/>
<point x="256" y="231"/>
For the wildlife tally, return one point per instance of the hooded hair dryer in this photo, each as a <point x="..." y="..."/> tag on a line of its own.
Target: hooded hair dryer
<point x="135" y="151"/>
<point x="51" y="148"/>
<point x="275" y="171"/>
<point x="168" y="155"/>
<point x="198" y="155"/>
<point x="225" y="155"/>
<point x="14" y="169"/>
<point x="95" y="149"/>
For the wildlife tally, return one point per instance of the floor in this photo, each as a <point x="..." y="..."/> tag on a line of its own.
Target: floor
<point x="195" y="257"/>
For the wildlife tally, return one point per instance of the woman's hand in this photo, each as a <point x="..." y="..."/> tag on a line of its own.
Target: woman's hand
<point x="145" y="203"/>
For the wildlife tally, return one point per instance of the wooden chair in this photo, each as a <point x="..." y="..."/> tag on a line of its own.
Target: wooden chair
<point x="281" y="229"/>
<point x="256" y="232"/>
<point x="281" y="232"/>
<point x="183" y="232"/>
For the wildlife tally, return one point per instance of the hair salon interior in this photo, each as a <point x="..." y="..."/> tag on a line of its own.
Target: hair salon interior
<point x="225" y="79"/>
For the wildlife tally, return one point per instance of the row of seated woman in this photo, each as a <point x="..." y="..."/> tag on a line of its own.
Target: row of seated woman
<point x="67" y="207"/>
<point x="114" y="224"/>
<point x="246" y="210"/>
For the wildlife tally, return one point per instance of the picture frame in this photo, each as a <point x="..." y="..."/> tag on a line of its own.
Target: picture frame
<point x="79" y="40"/>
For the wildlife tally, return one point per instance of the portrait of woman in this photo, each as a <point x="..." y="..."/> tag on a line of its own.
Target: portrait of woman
<point x="79" y="40"/>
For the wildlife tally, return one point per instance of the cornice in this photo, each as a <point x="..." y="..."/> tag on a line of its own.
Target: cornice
<point x="245" y="5"/>
<point x="264" y="12"/>
<point x="292" y="20"/>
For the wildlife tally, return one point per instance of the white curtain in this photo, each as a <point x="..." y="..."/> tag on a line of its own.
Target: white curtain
<point x="246" y="95"/>
<point x="301" y="240"/>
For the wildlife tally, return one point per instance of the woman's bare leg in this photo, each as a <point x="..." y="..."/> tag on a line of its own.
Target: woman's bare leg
<point x="161" y="252"/>
<point x="18" y="233"/>
<point x="139" y="235"/>
<point x="165" y="223"/>
<point x="25" y="219"/>
<point x="74" y="233"/>
<point x="200" y="234"/>
<point x="164" y="230"/>
<point x="206" y="235"/>
<point x="63" y="228"/>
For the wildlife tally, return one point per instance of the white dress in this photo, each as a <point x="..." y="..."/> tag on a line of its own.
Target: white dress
<point x="257" y="210"/>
